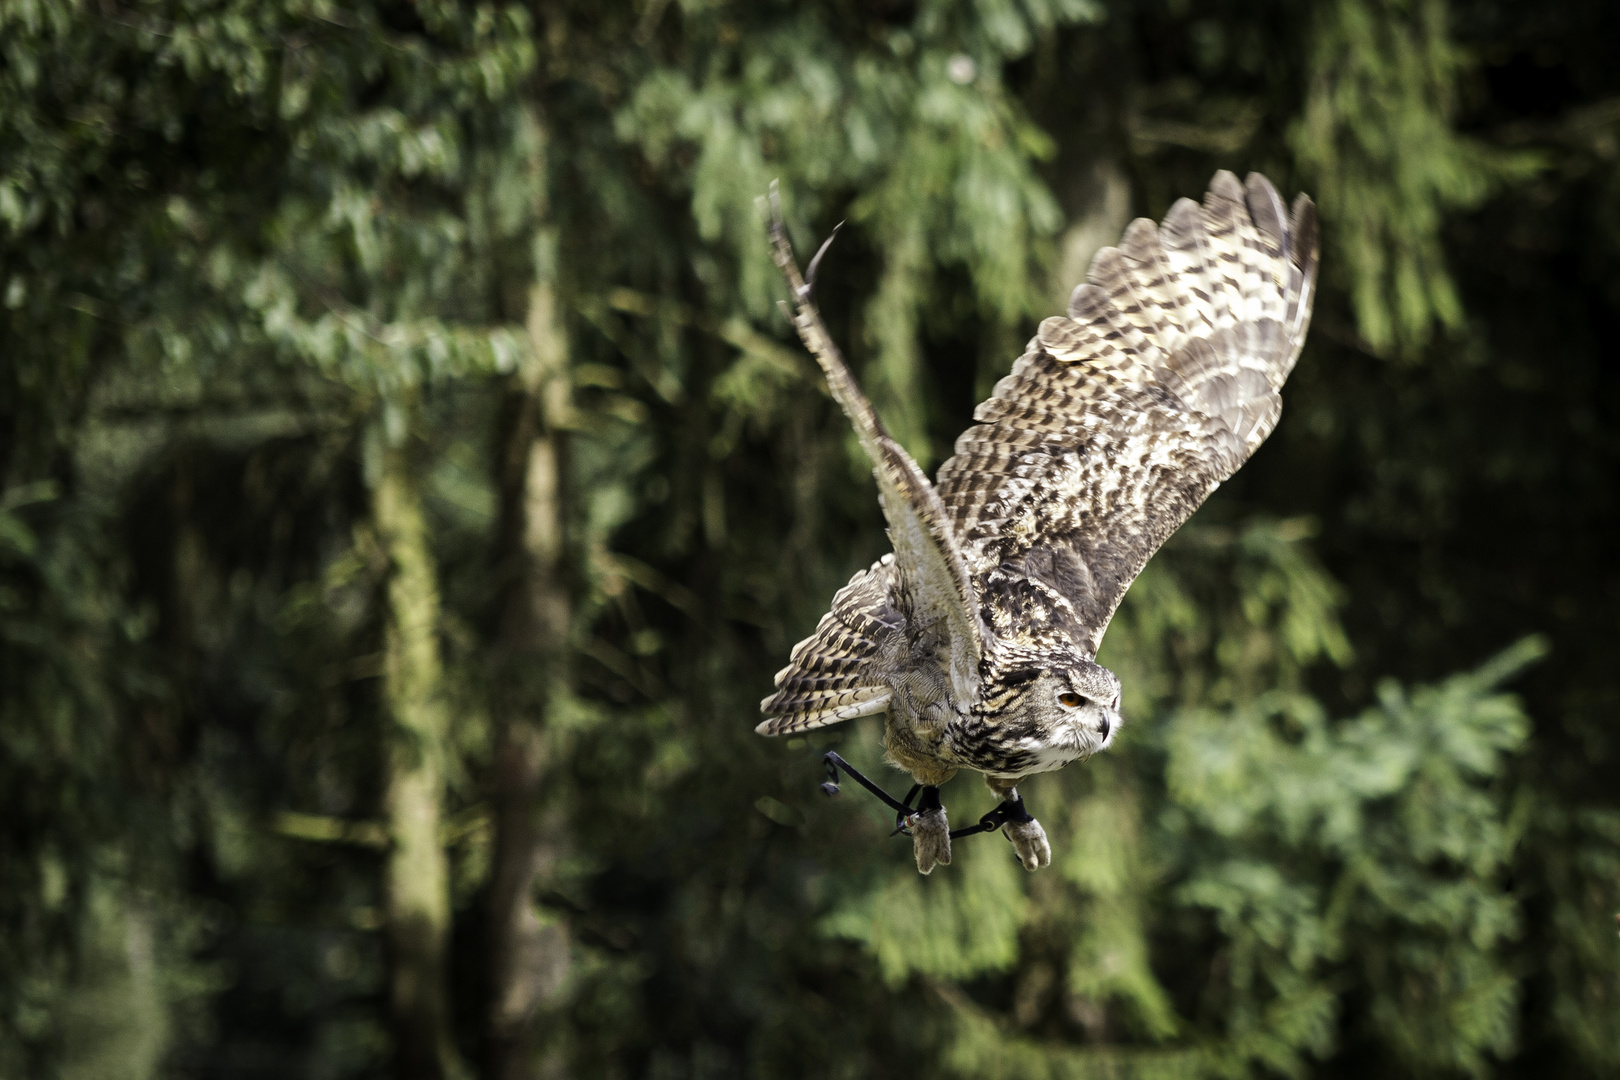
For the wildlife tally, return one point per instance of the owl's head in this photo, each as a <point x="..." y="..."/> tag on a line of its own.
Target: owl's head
<point x="1072" y="706"/>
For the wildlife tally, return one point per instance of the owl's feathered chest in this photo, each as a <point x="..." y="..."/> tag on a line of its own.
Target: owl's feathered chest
<point x="925" y="740"/>
<point x="929" y="725"/>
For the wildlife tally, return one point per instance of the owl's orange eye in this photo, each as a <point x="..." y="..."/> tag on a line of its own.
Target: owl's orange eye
<point x="1069" y="700"/>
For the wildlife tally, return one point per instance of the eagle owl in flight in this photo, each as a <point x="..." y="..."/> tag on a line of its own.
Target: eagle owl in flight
<point x="978" y="635"/>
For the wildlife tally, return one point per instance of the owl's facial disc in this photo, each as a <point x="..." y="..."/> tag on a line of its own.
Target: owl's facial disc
<point x="1091" y="699"/>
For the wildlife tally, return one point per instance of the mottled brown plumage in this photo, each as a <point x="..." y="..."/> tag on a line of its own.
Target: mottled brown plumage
<point x="979" y="634"/>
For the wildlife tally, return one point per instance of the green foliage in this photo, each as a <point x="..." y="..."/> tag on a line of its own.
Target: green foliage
<point x="1377" y="139"/>
<point x="251" y="253"/>
<point x="1400" y="814"/>
<point x="1368" y="852"/>
<point x="965" y="927"/>
<point x="916" y="121"/>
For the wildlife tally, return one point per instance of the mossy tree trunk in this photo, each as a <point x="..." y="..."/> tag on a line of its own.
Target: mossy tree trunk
<point x="417" y="881"/>
<point x="529" y="955"/>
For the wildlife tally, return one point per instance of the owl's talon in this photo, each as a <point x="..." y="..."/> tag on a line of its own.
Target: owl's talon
<point x="930" y="831"/>
<point x="1029" y="841"/>
<point x="930" y="838"/>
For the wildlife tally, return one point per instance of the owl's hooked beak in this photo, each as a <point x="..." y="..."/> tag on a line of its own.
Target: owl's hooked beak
<point x="1109" y="727"/>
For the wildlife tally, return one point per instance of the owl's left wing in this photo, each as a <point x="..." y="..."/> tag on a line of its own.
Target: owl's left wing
<point x="1122" y="418"/>
<point x="928" y="557"/>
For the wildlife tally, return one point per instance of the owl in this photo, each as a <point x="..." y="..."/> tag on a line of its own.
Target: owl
<point x="978" y="634"/>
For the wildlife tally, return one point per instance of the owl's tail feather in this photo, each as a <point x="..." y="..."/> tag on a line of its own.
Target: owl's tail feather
<point x="829" y="676"/>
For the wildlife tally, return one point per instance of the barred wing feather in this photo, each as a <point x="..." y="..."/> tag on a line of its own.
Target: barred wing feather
<point x="928" y="580"/>
<point x="831" y="675"/>
<point x="1120" y="419"/>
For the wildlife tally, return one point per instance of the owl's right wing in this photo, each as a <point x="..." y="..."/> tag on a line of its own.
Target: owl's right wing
<point x="835" y="673"/>
<point x="934" y="588"/>
<point x="1120" y="419"/>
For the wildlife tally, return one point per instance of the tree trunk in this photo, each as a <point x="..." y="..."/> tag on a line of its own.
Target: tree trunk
<point x="417" y="875"/>
<point x="529" y="956"/>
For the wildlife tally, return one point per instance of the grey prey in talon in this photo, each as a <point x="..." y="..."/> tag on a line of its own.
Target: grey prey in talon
<point x="978" y="635"/>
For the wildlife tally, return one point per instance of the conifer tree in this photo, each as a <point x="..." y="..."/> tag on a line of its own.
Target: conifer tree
<point x="407" y="488"/>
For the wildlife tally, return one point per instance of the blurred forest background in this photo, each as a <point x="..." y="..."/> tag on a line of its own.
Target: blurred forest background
<point x="408" y="488"/>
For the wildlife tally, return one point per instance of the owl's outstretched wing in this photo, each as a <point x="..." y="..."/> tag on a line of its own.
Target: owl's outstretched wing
<point x="1119" y="420"/>
<point x="934" y="590"/>
<point x="831" y="675"/>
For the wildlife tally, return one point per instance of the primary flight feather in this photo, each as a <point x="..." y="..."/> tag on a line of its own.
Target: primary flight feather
<point x="978" y="635"/>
